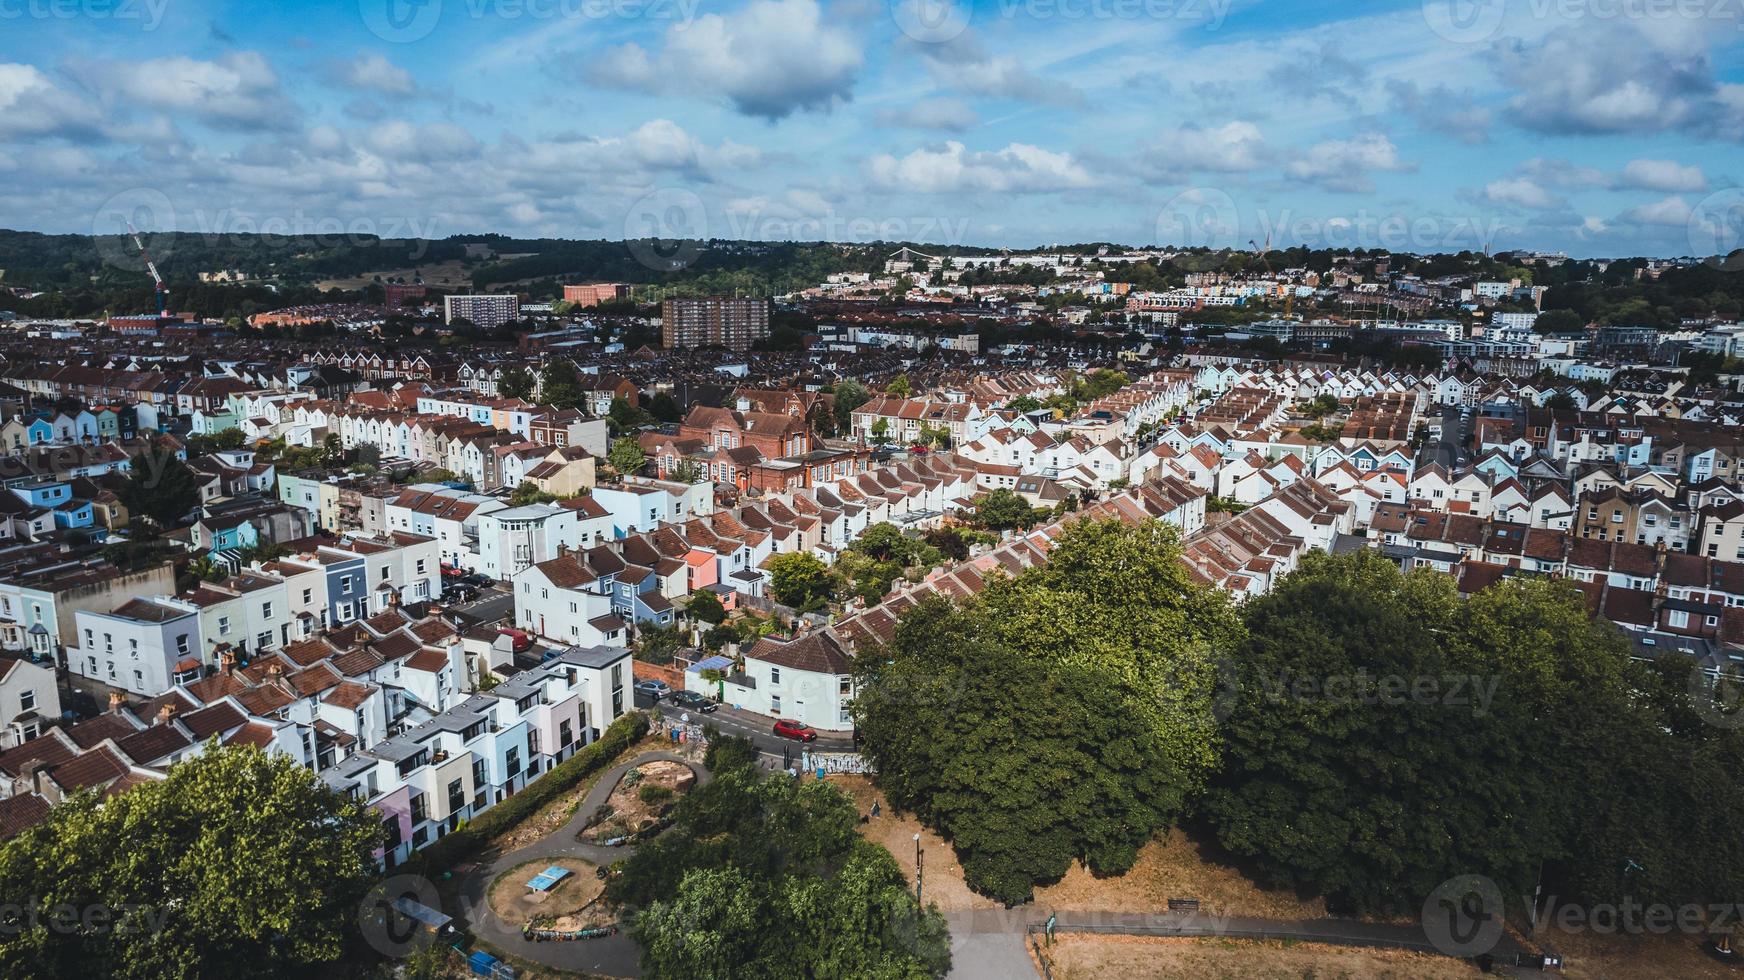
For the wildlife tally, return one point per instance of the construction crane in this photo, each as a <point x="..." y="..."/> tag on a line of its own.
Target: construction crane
<point x="1289" y="294"/>
<point x="163" y="291"/>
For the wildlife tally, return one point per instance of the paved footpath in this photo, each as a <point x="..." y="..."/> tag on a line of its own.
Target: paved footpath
<point x="613" y="955"/>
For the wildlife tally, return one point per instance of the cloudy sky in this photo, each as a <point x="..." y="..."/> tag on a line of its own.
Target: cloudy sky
<point x="1595" y="127"/>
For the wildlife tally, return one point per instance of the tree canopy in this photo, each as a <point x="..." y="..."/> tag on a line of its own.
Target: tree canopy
<point x="1104" y="740"/>
<point x="237" y="864"/>
<point x="798" y="579"/>
<point x="161" y="487"/>
<point x="768" y="877"/>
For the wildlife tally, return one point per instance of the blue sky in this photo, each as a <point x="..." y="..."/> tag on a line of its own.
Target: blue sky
<point x="1595" y="127"/>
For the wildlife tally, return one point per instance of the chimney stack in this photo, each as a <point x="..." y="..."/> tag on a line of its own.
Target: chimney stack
<point x="165" y="713"/>
<point x="115" y="701"/>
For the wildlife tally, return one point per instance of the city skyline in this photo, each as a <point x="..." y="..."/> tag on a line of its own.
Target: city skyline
<point x="1585" y="128"/>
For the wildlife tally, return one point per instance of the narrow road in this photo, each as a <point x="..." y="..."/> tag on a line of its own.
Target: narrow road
<point x="613" y="955"/>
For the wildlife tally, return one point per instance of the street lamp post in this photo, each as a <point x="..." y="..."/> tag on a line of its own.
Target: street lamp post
<point x="918" y="869"/>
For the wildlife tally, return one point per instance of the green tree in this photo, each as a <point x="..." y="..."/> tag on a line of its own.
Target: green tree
<point x="161" y="487"/>
<point x="705" y="607"/>
<point x="1024" y="403"/>
<point x="1406" y="722"/>
<point x="558" y="386"/>
<point x="1109" y="736"/>
<point x="238" y="863"/>
<point x="516" y="382"/>
<point x="798" y="579"/>
<point x="529" y="493"/>
<point x="899" y="386"/>
<point x="627" y="457"/>
<point x="880" y="430"/>
<point x="767" y="878"/>
<point x="846" y="397"/>
<point x="1002" y="510"/>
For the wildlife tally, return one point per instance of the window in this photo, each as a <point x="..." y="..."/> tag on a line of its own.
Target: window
<point x="844" y="685"/>
<point x="182" y="644"/>
<point x="419" y="814"/>
<point x="775" y="704"/>
<point x="223" y="625"/>
<point x="775" y="675"/>
<point x="263" y="641"/>
<point x="1678" y="619"/>
<point x="266" y="610"/>
<point x="308" y="596"/>
<point x="565" y="734"/>
<point x="456" y="795"/>
<point x="27" y="701"/>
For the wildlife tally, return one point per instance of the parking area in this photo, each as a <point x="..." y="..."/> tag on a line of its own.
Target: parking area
<point x="758" y="728"/>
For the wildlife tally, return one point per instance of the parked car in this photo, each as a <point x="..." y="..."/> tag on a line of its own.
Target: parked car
<point x="520" y="640"/>
<point x="692" y="701"/>
<point x="788" y="728"/>
<point x="654" y="689"/>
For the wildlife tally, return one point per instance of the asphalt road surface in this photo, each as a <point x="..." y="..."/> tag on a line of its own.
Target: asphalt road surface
<point x="758" y="728"/>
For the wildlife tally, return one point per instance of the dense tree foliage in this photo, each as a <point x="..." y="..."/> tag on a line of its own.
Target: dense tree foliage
<point x="626" y="456"/>
<point x="237" y="864"/>
<point x="768" y="877"/>
<point x="798" y="579"/>
<point x="160" y="486"/>
<point x="1064" y="715"/>
<point x="1388" y="736"/>
<point x="870" y="565"/>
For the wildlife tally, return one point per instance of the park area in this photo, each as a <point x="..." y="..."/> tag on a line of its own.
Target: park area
<point x="640" y="801"/>
<point x="515" y="902"/>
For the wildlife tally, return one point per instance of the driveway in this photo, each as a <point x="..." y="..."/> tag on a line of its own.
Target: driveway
<point x="612" y="955"/>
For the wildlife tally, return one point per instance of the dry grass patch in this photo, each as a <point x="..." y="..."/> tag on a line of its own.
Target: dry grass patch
<point x="1636" y="957"/>
<point x="1176" y="867"/>
<point x="516" y="904"/>
<point x="641" y="798"/>
<point x="552" y="816"/>
<point x="1079" y="957"/>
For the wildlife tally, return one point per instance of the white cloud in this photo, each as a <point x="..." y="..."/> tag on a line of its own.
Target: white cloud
<point x="1607" y="76"/>
<point x="1663" y="175"/>
<point x="238" y="90"/>
<point x="770" y="59"/>
<point x="376" y="73"/>
<point x="421" y="142"/>
<point x="1018" y="167"/>
<point x="1234" y="147"/>
<point x="950" y="115"/>
<point x="1344" y="165"/>
<point x="1670" y="212"/>
<point x="964" y="65"/>
<point x="1520" y="192"/>
<point x="31" y="105"/>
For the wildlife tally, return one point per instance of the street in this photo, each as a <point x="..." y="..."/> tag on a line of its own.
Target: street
<point x="757" y="728"/>
<point x="1456" y="432"/>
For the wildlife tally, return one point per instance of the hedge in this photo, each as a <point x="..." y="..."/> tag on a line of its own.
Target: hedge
<point x="471" y="838"/>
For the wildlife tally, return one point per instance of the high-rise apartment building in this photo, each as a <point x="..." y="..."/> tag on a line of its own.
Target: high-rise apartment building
<point x="488" y="311"/>
<point x="714" y="321"/>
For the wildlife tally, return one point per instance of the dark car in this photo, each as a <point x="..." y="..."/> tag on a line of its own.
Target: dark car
<point x="788" y="728"/>
<point x="654" y="689"/>
<point x="692" y="701"/>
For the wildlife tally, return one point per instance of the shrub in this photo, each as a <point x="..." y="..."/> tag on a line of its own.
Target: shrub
<point x="469" y="840"/>
<point x="652" y="794"/>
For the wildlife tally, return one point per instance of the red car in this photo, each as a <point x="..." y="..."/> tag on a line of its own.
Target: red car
<point x="788" y="728"/>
